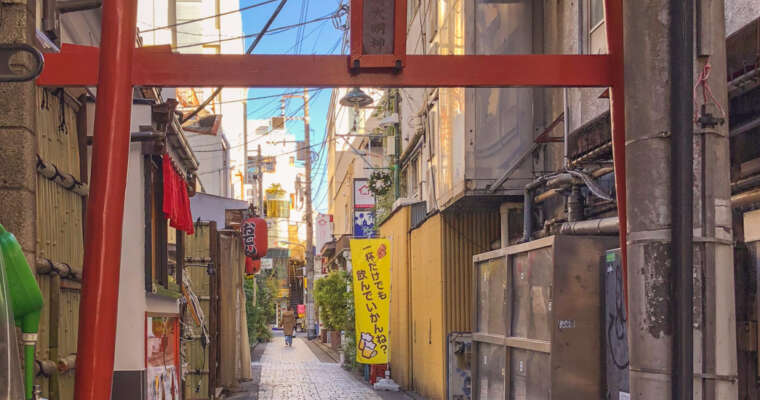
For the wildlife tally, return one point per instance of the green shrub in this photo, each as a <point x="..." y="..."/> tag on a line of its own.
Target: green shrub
<point x="332" y="300"/>
<point x="261" y="313"/>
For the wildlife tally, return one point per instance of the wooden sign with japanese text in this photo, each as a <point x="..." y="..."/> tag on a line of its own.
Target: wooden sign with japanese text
<point x="378" y="34"/>
<point x="371" y="277"/>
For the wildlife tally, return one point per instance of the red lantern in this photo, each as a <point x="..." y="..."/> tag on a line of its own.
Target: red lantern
<point x="255" y="237"/>
<point x="252" y="267"/>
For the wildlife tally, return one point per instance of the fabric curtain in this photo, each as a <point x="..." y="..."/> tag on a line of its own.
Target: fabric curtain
<point x="176" y="207"/>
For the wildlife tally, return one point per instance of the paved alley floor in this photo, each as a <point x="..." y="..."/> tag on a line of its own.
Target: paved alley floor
<point x="296" y="373"/>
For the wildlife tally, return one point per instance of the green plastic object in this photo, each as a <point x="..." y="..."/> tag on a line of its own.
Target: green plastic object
<point x="11" y="381"/>
<point x="25" y="298"/>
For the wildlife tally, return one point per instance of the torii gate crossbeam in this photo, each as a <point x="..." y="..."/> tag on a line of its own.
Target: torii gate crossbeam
<point x="119" y="66"/>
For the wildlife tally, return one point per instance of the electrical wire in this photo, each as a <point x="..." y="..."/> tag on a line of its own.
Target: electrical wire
<point x="273" y="31"/>
<point x="210" y="16"/>
<point x="249" y="51"/>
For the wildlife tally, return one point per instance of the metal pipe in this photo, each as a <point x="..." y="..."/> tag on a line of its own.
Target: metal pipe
<point x="146" y="136"/>
<point x="105" y="208"/>
<point x="745" y="198"/>
<point x="746" y="183"/>
<point x="77" y="5"/>
<point x="551" y="193"/>
<point x="566" y="130"/>
<point x="602" y="172"/>
<point x="575" y="204"/>
<point x="560" y="180"/>
<point x="602" y="226"/>
<point x="681" y="40"/>
<point x="527" y="214"/>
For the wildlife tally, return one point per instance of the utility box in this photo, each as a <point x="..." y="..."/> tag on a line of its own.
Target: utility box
<point x="537" y="329"/>
<point x="615" y="337"/>
<point x="459" y="356"/>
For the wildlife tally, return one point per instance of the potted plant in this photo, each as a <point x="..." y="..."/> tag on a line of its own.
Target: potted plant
<point x="332" y="300"/>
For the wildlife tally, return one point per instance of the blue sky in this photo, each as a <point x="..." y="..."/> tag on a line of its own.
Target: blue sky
<point x="317" y="38"/>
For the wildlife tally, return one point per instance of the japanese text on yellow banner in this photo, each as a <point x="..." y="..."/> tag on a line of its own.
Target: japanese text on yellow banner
<point x="371" y="277"/>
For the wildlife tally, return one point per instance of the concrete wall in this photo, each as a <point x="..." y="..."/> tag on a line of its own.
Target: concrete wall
<point x="428" y="338"/>
<point x="396" y="230"/>
<point x="740" y="13"/>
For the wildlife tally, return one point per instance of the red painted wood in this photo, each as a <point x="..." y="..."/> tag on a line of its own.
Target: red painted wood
<point x="152" y="67"/>
<point x="614" y="23"/>
<point x="105" y="206"/>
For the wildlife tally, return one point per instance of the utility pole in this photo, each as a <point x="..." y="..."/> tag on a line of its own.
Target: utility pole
<point x="681" y="328"/>
<point x="245" y="148"/>
<point x="260" y="182"/>
<point x="309" y="220"/>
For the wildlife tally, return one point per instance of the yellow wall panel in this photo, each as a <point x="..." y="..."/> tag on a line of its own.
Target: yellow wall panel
<point x="396" y="230"/>
<point x="427" y="310"/>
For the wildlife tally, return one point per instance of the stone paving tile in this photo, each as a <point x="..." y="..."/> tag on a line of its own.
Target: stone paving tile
<point x="296" y="373"/>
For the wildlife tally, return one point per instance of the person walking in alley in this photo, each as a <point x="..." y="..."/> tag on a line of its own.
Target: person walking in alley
<point x="288" y="325"/>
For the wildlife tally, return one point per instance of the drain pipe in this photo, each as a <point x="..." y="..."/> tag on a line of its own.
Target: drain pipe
<point x="603" y="226"/>
<point x="681" y="38"/>
<point x="566" y="131"/>
<point x="528" y="205"/>
<point x="527" y="214"/>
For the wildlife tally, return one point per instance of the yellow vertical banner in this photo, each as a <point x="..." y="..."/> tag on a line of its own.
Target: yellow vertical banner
<point x="371" y="264"/>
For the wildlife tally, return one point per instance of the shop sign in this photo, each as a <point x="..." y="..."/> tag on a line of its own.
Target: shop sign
<point x="371" y="277"/>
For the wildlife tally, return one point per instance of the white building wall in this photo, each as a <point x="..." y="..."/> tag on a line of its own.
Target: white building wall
<point x="216" y="176"/>
<point x="134" y="302"/>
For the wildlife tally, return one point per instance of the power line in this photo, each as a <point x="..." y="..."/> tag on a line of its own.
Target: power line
<point x="263" y="97"/>
<point x="249" y="51"/>
<point x="260" y="136"/>
<point x="279" y="29"/>
<point x="210" y="16"/>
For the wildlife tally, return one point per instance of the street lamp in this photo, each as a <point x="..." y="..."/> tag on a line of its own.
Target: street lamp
<point x="356" y="98"/>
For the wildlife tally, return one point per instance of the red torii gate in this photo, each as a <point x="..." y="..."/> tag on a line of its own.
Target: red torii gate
<point x="118" y="66"/>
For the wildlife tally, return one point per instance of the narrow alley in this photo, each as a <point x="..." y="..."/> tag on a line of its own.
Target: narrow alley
<point x="379" y="199"/>
<point x="303" y="371"/>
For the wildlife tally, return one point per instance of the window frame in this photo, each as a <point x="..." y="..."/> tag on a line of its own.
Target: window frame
<point x="592" y="27"/>
<point x="157" y="246"/>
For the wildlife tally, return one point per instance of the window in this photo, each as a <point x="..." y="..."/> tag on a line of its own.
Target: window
<point x="597" y="13"/>
<point x="164" y="245"/>
<point x="413" y="178"/>
<point x="597" y="34"/>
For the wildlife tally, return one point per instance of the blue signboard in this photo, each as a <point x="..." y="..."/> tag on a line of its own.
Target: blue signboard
<point x="364" y="224"/>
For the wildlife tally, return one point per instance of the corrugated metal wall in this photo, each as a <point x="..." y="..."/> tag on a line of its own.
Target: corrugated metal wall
<point x="440" y="259"/>
<point x="464" y="235"/>
<point x="396" y="230"/>
<point x="428" y="337"/>
<point x="59" y="236"/>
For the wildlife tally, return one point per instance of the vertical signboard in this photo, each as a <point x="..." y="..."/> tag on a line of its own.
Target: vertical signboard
<point x="363" y="197"/>
<point x="371" y="278"/>
<point x="323" y="230"/>
<point x="378" y="34"/>
<point x="364" y="224"/>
